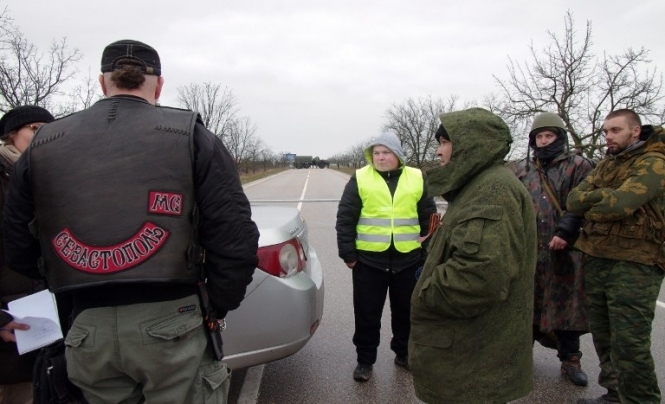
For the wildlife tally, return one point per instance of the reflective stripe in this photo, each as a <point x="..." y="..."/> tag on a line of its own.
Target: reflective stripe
<point x="374" y="222"/>
<point x="376" y="238"/>
<point x="406" y="237"/>
<point x="406" y="222"/>
<point x="386" y="222"/>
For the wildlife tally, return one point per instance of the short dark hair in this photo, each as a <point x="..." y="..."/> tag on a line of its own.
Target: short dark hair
<point x="630" y="115"/>
<point x="128" y="76"/>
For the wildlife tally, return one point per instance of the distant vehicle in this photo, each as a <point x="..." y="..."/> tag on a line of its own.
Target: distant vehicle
<point x="302" y="161"/>
<point x="320" y="163"/>
<point x="283" y="304"/>
<point x="309" y="161"/>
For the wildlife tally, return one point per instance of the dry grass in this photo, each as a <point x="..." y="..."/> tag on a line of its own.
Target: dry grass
<point x="245" y="178"/>
<point x="346" y="170"/>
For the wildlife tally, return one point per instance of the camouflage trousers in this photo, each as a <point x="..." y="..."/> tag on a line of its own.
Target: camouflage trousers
<point x="621" y="302"/>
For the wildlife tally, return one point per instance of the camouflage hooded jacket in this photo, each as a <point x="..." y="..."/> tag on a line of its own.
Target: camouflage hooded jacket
<point x="471" y="309"/>
<point x="622" y="201"/>
<point x="559" y="280"/>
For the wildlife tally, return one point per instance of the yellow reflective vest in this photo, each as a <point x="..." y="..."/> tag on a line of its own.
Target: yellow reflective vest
<point x="385" y="217"/>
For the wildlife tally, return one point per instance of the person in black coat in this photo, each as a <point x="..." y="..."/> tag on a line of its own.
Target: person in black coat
<point x="389" y="266"/>
<point x="17" y="128"/>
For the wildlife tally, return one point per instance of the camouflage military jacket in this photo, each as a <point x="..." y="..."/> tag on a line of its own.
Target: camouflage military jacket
<point x="623" y="202"/>
<point x="470" y="339"/>
<point x="559" y="279"/>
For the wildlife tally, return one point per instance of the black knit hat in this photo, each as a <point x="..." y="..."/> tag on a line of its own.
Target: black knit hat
<point x="441" y="133"/>
<point x="129" y="52"/>
<point x="23" y="115"/>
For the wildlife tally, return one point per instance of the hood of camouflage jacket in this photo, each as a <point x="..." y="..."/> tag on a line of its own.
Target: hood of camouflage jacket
<point x="479" y="138"/>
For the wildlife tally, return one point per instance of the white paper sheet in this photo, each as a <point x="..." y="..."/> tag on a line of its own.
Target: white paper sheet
<point x="40" y="312"/>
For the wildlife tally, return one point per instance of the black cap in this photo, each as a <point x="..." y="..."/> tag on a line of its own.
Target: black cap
<point x="23" y="115"/>
<point x="135" y="53"/>
<point x="441" y="133"/>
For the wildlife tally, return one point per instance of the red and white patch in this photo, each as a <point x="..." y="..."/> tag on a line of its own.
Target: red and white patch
<point x="109" y="259"/>
<point x="165" y="203"/>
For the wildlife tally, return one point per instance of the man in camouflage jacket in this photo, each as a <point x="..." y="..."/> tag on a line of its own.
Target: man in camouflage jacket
<point x="559" y="281"/>
<point x="622" y="201"/>
<point x="471" y="309"/>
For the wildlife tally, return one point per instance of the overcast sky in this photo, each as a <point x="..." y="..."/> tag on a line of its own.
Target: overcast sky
<point x="316" y="77"/>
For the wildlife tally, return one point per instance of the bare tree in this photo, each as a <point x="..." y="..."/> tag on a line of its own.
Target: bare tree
<point x="29" y="76"/>
<point x="258" y="156"/>
<point x="83" y="95"/>
<point x="267" y="158"/>
<point x="567" y="78"/>
<point x="415" y="121"/>
<point x="353" y="157"/>
<point x="241" y="141"/>
<point x="216" y="105"/>
<point x="520" y="143"/>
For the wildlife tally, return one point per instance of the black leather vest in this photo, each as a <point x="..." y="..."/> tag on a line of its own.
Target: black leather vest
<point x="113" y="187"/>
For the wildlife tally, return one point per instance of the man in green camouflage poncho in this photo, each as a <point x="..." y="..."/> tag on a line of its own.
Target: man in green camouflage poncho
<point x="622" y="201"/>
<point x="471" y="309"/>
<point x="558" y="306"/>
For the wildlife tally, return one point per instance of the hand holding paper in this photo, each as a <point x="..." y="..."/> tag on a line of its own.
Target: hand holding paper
<point x="40" y="312"/>
<point x="7" y="330"/>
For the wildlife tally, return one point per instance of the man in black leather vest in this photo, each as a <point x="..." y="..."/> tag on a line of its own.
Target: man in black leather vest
<point x="133" y="204"/>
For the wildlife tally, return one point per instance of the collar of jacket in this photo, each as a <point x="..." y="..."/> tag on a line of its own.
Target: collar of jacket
<point x="632" y="150"/>
<point x="652" y="144"/>
<point x="390" y="174"/>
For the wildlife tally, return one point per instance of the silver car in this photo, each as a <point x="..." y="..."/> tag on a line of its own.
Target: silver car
<point x="283" y="305"/>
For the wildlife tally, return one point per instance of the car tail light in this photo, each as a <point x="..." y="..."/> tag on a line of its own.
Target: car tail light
<point x="283" y="260"/>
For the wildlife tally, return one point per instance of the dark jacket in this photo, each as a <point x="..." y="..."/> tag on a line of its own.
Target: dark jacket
<point x="471" y="309"/>
<point x="226" y="231"/>
<point x="131" y="219"/>
<point x="559" y="300"/>
<point x="15" y="368"/>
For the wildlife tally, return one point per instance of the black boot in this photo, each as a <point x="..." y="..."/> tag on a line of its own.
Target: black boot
<point x="572" y="369"/>
<point x="402" y="360"/>
<point x="612" y="396"/>
<point x="362" y="373"/>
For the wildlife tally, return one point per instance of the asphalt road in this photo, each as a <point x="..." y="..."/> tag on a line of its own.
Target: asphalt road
<point x="321" y="371"/>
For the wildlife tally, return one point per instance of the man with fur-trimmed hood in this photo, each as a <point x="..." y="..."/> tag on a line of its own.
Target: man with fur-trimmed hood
<point x="472" y="306"/>
<point x="383" y="215"/>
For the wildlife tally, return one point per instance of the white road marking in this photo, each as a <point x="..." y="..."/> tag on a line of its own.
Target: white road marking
<point x="661" y="304"/>
<point x="302" y="196"/>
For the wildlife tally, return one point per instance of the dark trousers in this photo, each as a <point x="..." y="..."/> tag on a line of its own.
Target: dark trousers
<point x="567" y="342"/>
<point x="369" y="295"/>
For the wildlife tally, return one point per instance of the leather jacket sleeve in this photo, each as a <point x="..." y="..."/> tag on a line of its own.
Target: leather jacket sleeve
<point x="22" y="250"/>
<point x="226" y="230"/>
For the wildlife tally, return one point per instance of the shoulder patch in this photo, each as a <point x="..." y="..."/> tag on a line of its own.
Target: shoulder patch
<point x="165" y="203"/>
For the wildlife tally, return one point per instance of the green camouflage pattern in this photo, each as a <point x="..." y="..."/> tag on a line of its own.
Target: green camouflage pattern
<point x="472" y="307"/>
<point x="622" y="335"/>
<point x="623" y="201"/>
<point x="559" y="280"/>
